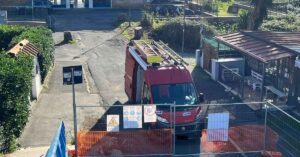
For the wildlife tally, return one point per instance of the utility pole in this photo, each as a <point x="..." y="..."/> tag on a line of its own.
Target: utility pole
<point x="73" y="75"/>
<point x="74" y="114"/>
<point x="32" y="9"/>
<point x="201" y="38"/>
<point x="129" y="12"/>
<point x="183" y="29"/>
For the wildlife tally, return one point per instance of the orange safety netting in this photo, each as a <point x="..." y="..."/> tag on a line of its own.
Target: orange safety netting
<point x="135" y="142"/>
<point x="241" y="138"/>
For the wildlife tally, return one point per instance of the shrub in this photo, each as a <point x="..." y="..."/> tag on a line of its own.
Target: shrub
<point x="171" y="33"/>
<point x="243" y="19"/>
<point x="41" y="37"/>
<point x="147" y="21"/>
<point x="288" y="23"/>
<point x="207" y="6"/>
<point x="15" y="87"/>
<point x="224" y="27"/>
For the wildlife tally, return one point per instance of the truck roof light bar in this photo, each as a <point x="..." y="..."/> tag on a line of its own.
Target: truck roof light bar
<point x="138" y="58"/>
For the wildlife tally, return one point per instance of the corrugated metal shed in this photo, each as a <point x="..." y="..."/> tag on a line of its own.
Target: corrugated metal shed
<point x="24" y="47"/>
<point x="256" y="47"/>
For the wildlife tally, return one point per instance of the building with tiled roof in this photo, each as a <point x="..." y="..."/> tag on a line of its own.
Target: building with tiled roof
<point x="25" y="47"/>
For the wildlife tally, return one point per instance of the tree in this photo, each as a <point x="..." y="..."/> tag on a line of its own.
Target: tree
<point x="258" y="14"/>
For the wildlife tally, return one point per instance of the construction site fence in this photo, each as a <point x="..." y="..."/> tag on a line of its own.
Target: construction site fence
<point x="232" y="129"/>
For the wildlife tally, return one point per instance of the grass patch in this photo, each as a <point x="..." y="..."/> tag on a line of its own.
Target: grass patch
<point x="72" y="42"/>
<point x="128" y="31"/>
<point x="158" y="23"/>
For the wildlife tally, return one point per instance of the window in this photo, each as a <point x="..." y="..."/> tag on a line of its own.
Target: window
<point x="181" y="94"/>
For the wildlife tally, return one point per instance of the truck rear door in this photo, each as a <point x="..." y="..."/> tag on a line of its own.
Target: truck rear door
<point x="130" y="65"/>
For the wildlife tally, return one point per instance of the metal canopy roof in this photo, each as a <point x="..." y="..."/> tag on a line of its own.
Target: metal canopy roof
<point x="254" y="47"/>
<point x="289" y="40"/>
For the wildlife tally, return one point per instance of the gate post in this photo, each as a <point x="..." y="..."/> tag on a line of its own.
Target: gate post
<point x="265" y="129"/>
<point x="68" y="4"/>
<point x="91" y="3"/>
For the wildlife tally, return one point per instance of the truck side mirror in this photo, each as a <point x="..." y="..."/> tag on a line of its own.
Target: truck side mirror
<point x="201" y="97"/>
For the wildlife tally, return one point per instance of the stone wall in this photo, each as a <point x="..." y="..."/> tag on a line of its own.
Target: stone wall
<point x="134" y="4"/>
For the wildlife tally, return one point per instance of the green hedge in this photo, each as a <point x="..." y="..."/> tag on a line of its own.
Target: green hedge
<point x="41" y="37"/>
<point x="171" y="33"/>
<point x="7" y="33"/>
<point x="16" y="77"/>
<point x="284" y="23"/>
<point x="15" y="88"/>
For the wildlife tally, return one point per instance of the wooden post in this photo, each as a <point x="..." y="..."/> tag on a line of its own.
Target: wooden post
<point x="292" y="80"/>
<point x="263" y="84"/>
<point x="243" y="77"/>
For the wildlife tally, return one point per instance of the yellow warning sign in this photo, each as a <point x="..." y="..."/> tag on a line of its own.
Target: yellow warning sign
<point x="113" y="123"/>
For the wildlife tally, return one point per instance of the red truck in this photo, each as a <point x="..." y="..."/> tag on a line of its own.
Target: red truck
<point x="155" y="74"/>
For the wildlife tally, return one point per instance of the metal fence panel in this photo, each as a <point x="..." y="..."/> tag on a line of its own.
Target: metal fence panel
<point x="269" y="131"/>
<point x="97" y="138"/>
<point x="3" y="17"/>
<point x="287" y="128"/>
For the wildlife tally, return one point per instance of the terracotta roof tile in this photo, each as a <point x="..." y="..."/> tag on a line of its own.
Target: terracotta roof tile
<point x="24" y="47"/>
<point x="258" y="47"/>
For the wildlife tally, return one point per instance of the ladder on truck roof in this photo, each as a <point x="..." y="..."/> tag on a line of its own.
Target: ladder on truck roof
<point x="156" y="52"/>
<point x="170" y="52"/>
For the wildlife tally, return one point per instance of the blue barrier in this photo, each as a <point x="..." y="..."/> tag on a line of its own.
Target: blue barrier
<point x="58" y="146"/>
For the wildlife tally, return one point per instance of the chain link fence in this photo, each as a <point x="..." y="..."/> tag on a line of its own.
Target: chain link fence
<point x="187" y="130"/>
<point x="232" y="78"/>
<point x="287" y="126"/>
<point x="243" y="87"/>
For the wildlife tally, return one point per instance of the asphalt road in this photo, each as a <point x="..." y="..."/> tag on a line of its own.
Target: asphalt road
<point x="103" y="50"/>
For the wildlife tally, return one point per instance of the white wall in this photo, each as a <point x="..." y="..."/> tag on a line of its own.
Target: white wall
<point x="91" y="3"/>
<point x="36" y="80"/>
<point x="214" y="69"/>
<point x="68" y="4"/>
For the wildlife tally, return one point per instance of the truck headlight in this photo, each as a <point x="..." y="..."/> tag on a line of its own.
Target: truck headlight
<point x="161" y="119"/>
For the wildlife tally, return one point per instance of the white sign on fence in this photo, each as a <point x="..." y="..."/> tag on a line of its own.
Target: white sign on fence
<point x="132" y="117"/>
<point x="218" y="124"/>
<point x="150" y="114"/>
<point x="113" y="123"/>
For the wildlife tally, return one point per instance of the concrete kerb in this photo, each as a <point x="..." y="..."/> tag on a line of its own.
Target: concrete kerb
<point x="47" y="79"/>
<point x="90" y="83"/>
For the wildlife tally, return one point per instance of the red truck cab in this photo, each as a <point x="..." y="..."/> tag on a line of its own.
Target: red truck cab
<point x="155" y="74"/>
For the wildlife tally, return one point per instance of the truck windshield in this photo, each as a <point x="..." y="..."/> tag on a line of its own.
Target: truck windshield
<point x="182" y="94"/>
